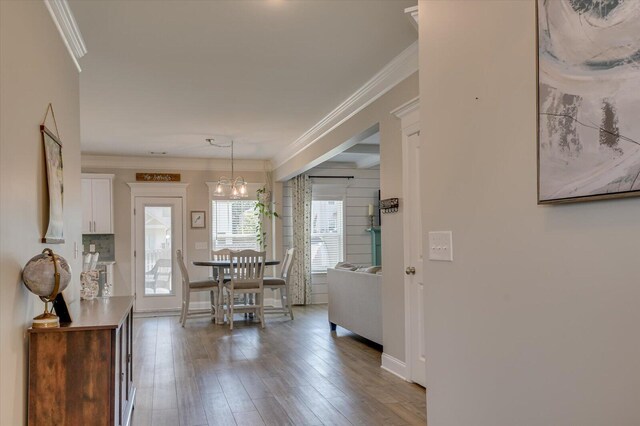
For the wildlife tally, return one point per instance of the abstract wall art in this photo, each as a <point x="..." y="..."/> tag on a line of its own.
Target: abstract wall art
<point x="588" y="99"/>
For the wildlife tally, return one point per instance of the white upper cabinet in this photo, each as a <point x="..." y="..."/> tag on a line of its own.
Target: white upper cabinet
<point x="97" y="204"/>
<point x="87" y="214"/>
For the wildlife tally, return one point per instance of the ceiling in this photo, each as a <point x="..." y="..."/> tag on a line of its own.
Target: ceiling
<point x="363" y="155"/>
<point x="162" y="76"/>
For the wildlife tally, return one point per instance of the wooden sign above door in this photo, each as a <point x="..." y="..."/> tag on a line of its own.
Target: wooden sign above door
<point x="158" y="177"/>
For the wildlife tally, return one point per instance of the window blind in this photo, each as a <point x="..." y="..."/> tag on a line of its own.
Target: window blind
<point x="327" y="234"/>
<point x="233" y="224"/>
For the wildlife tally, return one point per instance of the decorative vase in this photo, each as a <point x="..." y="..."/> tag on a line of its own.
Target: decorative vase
<point x="89" y="286"/>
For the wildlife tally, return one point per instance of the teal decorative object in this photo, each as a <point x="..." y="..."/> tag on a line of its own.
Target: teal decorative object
<point x="376" y="245"/>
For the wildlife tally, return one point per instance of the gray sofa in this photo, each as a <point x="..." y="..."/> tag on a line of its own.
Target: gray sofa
<point x="355" y="302"/>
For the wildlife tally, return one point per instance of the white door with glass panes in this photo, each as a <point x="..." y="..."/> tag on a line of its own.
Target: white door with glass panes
<point x="158" y="234"/>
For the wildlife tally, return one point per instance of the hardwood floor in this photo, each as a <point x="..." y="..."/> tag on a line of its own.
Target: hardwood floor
<point x="289" y="373"/>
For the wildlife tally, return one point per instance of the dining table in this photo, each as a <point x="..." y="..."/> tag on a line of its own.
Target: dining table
<point x="218" y="267"/>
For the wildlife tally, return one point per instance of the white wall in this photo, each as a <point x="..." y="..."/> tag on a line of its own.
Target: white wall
<point x="358" y="193"/>
<point x="536" y="320"/>
<point x="35" y="69"/>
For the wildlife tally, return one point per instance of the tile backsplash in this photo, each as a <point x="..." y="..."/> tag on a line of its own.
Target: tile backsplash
<point x="104" y="243"/>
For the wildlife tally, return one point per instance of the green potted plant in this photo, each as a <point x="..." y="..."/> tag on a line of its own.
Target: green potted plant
<point x="264" y="210"/>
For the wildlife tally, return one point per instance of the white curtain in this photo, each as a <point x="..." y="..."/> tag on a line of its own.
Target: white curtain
<point x="301" y="271"/>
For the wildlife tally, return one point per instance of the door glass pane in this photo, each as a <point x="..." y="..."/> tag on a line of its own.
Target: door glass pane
<point x="157" y="251"/>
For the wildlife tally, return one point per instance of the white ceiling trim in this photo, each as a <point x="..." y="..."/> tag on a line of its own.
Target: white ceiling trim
<point x="413" y="15"/>
<point x="407" y="108"/>
<point x="68" y="28"/>
<point x="401" y="67"/>
<point x="370" y="161"/>
<point x="171" y="163"/>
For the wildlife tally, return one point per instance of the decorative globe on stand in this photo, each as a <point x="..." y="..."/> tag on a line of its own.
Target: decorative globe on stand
<point x="46" y="275"/>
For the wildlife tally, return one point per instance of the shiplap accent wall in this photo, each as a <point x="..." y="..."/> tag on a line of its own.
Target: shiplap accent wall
<point x="358" y="193"/>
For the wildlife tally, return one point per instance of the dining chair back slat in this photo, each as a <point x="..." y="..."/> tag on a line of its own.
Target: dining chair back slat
<point x="287" y="264"/>
<point x="247" y="274"/>
<point x="221" y="255"/>
<point x="183" y="269"/>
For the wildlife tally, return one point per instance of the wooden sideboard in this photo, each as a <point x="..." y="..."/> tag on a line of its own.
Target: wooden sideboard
<point x="82" y="373"/>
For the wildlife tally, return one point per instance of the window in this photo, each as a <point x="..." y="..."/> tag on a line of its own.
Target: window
<point x="233" y="224"/>
<point x="327" y="234"/>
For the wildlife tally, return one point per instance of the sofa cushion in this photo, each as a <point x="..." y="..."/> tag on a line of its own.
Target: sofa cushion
<point x="373" y="269"/>
<point x="347" y="266"/>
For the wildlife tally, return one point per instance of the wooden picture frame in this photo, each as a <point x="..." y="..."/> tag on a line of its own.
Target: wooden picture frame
<point x="198" y="219"/>
<point x="54" y="169"/>
<point x="62" y="309"/>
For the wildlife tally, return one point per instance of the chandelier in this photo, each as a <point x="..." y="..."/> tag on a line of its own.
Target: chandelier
<point x="234" y="187"/>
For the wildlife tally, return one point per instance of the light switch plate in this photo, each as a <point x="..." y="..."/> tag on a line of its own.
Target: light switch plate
<point x="202" y="245"/>
<point x="441" y="246"/>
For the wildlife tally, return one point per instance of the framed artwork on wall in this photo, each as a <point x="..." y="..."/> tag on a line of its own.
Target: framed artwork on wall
<point x="53" y="165"/>
<point x="198" y="219"/>
<point x="588" y="100"/>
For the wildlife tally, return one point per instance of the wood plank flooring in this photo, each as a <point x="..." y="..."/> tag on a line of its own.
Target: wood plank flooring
<point x="289" y="373"/>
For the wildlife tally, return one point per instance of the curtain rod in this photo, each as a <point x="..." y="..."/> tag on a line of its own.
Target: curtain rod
<point x="331" y="177"/>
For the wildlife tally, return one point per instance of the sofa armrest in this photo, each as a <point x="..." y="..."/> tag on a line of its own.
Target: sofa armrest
<point x="355" y="302"/>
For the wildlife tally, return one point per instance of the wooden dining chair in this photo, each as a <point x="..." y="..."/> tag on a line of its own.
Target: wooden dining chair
<point x="189" y="286"/>
<point x="224" y="255"/>
<point x="282" y="284"/>
<point x="247" y="274"/>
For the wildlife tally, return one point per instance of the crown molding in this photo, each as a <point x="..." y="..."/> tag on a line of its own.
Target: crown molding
<point x="401" y="67"/>
<point x="171" y="163"/>
<point x="68" y="28"/>
<point x="413" y="15"/>
<point x="407" y="108"/>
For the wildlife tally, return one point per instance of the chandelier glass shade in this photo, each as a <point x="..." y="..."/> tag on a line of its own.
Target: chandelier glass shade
<point x="234" y="187"/>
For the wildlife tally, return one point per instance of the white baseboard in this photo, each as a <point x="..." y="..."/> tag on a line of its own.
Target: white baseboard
<point x="394" y="366"/>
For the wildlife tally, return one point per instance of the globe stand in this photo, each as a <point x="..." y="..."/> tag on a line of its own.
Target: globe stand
<point x="48" y="319"/>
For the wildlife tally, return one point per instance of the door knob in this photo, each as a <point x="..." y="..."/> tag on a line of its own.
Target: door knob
<point x="410" y="270"/>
